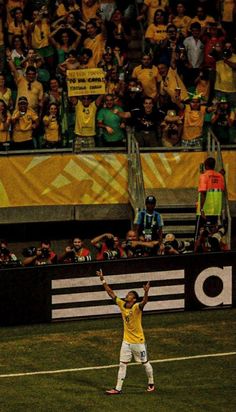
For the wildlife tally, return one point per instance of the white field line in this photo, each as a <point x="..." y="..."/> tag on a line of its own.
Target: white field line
<point x="89" y="368"/>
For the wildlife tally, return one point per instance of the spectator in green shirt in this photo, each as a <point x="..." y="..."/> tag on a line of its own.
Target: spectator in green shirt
<point x="111" y="124"/>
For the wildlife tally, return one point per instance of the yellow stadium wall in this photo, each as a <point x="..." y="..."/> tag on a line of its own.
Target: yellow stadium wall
<point x="68" y="179"/>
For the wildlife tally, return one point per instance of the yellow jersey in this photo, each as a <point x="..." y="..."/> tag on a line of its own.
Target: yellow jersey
<point x="156" y="33"/>
<point x="132" y="320"/>
<point x="89" y="12"/>
<point x="225" y="76"/>
<point x="4" y="129"/>
<point x="153" y="5"/>
<point x="193" y="122"/>
<point x="51" y="128"/>
<point x="33" y="92"/>
<point x="228" y="9"/>
<point x="85" y="119"/>
<point x="97" y="45"/>
<point x="148" y="77"/>
<point x="182" y="24"/>
<point x="22" y="130"/>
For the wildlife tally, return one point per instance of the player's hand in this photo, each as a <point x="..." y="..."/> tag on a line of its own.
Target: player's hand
<point x="146" y="287"/>
<point x="100" y="274"/>
<point x="109" y="130"/>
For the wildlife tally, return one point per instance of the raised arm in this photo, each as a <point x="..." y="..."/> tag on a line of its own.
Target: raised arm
<point x="106" y="286"/>
<point x="145" y="297"/>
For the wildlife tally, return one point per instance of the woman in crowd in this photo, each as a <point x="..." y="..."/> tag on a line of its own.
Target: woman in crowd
<point x="156" y="32"/>
<point x="51" y="120"/>
<point x="39" y="33"/>
<point x="5" y="120"/>
<point x="64" y="40"/>
<point x="18" y="52"/>
<point x="181" y="21"/>
<point x="18" y="27"/>
<point x="5" y="92"/>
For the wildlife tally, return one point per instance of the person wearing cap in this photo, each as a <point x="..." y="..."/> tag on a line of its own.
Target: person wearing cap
<point x="148" y="223"/>
<point x="24" y="121"/>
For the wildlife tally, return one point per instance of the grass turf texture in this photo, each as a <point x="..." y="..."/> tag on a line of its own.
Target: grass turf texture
<point x="188" y="385"/>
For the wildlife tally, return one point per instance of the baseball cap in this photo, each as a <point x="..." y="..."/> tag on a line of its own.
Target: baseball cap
<point x="22" y="99"/>
<point x="151" y="199"/>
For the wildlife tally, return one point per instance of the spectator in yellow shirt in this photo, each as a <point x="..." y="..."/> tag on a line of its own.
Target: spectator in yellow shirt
<point x="52" y="135"/>
<point x="202" y="18"/>
<point x="147" y="74"/>
<point x="193" y="124"/>
<point x="24" y="121"/>
<point x="90" y="9"/>
<point x="28" y="86"/>
<point x="5" y="120"/>
<point x="94" y="41"/>
<point x="66" y="7"/>
<point x="18" y="27"/>
<point x="225" y="84"/>
<point x="150" y="7"/>
<point x="181" y="21"/>
<point x="156" y="32"/>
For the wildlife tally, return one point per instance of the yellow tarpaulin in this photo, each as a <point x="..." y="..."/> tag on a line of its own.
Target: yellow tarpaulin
<point x="68" y="179"/>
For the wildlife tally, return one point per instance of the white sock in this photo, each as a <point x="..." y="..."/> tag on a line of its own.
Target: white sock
<point x="149" y="372"/>
<point x="121" y="376"/>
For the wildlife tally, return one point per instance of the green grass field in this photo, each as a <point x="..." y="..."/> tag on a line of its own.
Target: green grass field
<point x="198" y="384"/>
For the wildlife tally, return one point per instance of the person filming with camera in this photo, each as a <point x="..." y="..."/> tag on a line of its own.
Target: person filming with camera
<point x="108" y="247"/>
<point x="75" y="253"/>
<point x="42" y="255"/>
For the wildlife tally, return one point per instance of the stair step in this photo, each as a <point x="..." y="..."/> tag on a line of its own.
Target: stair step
<point x="179" y="229"/>
<point x="178" y="216"/>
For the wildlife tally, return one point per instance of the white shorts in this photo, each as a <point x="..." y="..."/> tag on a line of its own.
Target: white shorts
<point x="137" y="350"/>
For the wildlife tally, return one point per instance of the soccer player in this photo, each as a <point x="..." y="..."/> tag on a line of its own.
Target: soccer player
<point x="133" y="340"/>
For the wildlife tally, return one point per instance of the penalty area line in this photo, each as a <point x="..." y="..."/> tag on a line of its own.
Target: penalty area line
<point x="89" y="368"/>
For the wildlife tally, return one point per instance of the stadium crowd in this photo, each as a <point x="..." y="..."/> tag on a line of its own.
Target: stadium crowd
<point x="184" y="82"/>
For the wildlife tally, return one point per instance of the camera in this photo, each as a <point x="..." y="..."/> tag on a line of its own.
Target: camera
<point x="214" y="54"/>
<point x="111" y="254"/>
<point x="135" y="89"/>
<point x="78" y="259"/>
<point x="45" y="253"/>
<point x="4" y="251"/>
<point x="215" y="240"/>
<point x="227" y="53"/>
<point x="29" y="251"/>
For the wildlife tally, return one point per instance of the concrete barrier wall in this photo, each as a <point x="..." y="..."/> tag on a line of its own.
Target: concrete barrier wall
<point x="60" y="292"/>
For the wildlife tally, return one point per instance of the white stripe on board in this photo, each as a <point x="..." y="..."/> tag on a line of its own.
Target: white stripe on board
<point x="89" y="368"/>
<point x="96" y="296"/>
<point x="112" y="309"/>
<point x="114" y="279"/>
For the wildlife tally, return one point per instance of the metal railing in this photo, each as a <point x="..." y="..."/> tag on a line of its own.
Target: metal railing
<point x="214" y="150"/>
<point x="135" y="175"/>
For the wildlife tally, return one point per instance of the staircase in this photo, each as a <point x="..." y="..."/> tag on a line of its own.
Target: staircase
<point x="178" y="211"/>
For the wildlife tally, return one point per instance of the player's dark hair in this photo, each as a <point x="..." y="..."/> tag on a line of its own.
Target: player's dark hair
<point x="210" y="163"/>
<point x="135" y="294"/>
